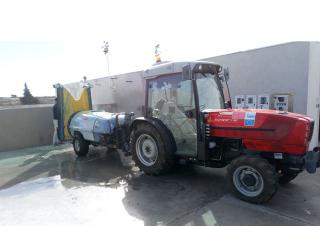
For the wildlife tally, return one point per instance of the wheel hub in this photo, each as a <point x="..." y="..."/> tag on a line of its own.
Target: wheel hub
<point x="248" y="181"/>
<point x="146" y="149"/>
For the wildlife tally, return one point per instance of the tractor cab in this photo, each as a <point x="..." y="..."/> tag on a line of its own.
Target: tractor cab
<point x="178" y="92"/>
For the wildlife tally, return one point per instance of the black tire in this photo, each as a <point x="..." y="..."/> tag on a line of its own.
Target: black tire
<point x="80" y="145"/>
<point x="146" y="137"/>
<point x="252" y="170"/>
<point x="285" y="178"/>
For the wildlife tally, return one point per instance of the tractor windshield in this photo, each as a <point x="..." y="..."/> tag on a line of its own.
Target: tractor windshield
<point x="210" y="91"/>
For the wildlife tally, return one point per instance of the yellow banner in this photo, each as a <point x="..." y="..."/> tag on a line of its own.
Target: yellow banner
<point x="70" y="106"/>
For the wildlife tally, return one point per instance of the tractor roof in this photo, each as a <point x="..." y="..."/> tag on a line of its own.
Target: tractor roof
<point x="163" y="68"/>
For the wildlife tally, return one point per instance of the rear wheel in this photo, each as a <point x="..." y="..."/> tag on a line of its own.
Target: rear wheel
<point x="80" y="145"/>
<point x="152" y="150"/>
<point x="252" y="179"/>
<point x="285" y="178"/>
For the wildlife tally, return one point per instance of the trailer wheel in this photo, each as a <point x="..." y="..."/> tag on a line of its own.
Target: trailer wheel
<point x="285" y="178"/>
<point x="80" y="145"/>
<point x="252" y="179"/>
<point x="152" y="150"/>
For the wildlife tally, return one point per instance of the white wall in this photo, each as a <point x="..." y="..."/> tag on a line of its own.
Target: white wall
<point x="313" y="89"/>
<point x="276" y="69"/>
<point x="117" y="93"/>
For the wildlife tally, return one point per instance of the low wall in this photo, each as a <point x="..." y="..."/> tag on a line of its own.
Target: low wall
<point x="25" y="126"/>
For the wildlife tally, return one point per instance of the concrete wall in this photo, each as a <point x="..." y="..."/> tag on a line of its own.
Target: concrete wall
<point x="276" y="69"/>
<point x="25" y="126"/>
<point x="129" y="93"/>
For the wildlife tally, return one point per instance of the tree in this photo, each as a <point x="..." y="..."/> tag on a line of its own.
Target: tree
<point x="27" y="96"/>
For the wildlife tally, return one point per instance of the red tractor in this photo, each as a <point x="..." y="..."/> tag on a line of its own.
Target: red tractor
<point x="187" y="117"/>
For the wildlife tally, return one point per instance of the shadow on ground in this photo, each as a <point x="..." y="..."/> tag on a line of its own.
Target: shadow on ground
<point x="189" y="196"/>
<point x="148" y="198"/>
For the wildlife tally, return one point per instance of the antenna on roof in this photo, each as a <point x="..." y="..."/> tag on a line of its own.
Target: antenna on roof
<point x="157" y="53"/>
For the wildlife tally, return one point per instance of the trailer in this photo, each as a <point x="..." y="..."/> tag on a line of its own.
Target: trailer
<point x="184" y="114"/>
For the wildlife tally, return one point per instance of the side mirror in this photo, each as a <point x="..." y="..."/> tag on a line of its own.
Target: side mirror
<point x="226" y="73"/>
<point x="186" y="73"/>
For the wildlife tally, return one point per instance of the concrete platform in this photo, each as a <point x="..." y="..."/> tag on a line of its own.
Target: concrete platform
<point x="51" y="186"/>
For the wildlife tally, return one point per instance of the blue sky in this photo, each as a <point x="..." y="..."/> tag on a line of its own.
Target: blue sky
<point x="43" y="42"/>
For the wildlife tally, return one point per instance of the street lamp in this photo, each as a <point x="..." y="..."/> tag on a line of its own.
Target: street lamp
<point x="105" y="48"/>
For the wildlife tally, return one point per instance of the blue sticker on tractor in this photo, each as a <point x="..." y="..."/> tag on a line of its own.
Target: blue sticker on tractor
<point x="250" y="119"/>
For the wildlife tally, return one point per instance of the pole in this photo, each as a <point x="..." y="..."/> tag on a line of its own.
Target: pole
<point x="108" y="68"/>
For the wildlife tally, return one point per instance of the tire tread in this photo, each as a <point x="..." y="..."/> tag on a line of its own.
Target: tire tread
<point x="165" y="160"/>
<point x="268" y="172"/>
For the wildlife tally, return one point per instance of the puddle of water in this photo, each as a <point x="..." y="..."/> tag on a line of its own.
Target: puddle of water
<point x="46" y="201"/>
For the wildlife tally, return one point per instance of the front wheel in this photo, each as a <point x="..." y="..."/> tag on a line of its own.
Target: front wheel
<point x="252" y="179"/>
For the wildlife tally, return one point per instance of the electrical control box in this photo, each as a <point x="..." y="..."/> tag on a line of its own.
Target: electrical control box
<point x="282" y="102"/>
<point x="240" y="101"/>
<point x="251" y="101"/>
<point x="263" y="101"/>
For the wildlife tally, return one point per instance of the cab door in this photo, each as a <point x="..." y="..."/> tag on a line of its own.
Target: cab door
<point x="171" y="99"/>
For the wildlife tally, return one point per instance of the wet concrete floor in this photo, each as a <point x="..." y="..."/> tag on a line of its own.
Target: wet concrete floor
<point x="51" y="186"/>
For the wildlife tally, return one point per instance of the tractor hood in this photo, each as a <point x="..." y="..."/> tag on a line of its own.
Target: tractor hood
<point x="262" y="130"/>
